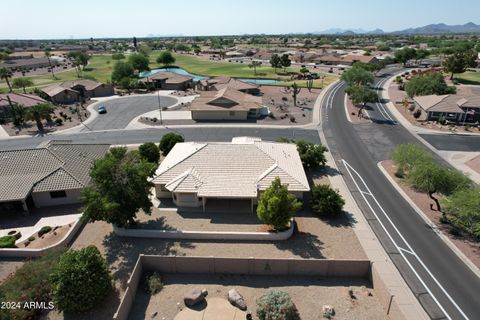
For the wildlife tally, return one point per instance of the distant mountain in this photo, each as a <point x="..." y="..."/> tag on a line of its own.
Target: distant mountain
<point x="341" y="31"/>
<point x="442" y="28"/>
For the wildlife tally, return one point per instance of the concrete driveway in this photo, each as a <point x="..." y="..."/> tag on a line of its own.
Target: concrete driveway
<point x="121" y="111"/>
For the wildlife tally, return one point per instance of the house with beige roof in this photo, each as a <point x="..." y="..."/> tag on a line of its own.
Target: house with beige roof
<point x="169" y="81"/>
<point x="73" y="91"/>
<point x="453" y="107"/>
<point x="52" y="174"/>
<point x="8" y="100"/>
<point x="219" y="83"/>
<point x="225" y="104"/>
<point x="196" y="174"/>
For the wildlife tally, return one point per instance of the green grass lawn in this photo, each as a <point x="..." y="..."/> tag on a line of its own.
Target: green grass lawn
<point x="468" y="77"/>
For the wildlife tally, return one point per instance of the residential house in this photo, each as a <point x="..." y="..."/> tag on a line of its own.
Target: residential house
<point x="328" y="60"/>
<point x="453" y="107"/>
<point x="219" y="83"/>
<point x="7" y="100"/>
<point x="352" y="58"/>
<point x="76" y="90"/>
<point x="196" y="174"/>
<point x="225" y="104"/>
<point x="169" y="81"/>
<point x="28" y="63"/>
<point x="52" y="174"/>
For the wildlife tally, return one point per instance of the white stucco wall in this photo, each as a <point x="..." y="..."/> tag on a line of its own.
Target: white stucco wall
<point x="186" y="200"/>
<point x="162" y="194"/>
<point x="43" y="199"/>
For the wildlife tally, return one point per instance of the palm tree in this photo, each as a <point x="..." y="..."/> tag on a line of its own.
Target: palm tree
<point x="38" y="113"/>
<point x="6" y="74"/>
<point x="254" y="65"/>
<point x="48" y="55"/>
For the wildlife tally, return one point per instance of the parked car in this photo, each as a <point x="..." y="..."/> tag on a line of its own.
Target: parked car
<point x="314" y="75"/>
<point x="101" y="109"/>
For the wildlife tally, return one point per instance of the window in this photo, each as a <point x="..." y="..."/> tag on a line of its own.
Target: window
<point x="58" y="194"/>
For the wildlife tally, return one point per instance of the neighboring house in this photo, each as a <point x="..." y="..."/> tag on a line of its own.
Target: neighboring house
<point x="169" y="81"/>
<point x="7" y="100"/>
<point x="453" y="107"/>
<point x="77" y="90"/>
<point x="352" y="58"/>
<point x="195" y="174"/>
<point x="219" y="83"/>
<point x="328" y="60"/>
<point x="28" y="63"/>
<point x="225" y="104"/>
<point x="50" y="175"/>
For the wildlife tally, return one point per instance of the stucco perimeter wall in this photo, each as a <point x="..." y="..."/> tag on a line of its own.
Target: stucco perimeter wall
<point x="246" y="266"/>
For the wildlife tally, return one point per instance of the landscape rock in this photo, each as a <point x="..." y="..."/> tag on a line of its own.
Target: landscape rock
<point x="328" y="311"/>
<point x="236" y="299"/>
<point x="154" y="314"/>
<point x="193" y="297"/>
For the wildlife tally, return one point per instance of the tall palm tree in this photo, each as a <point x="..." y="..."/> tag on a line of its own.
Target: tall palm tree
<point x="254" y="65"/>
<point x="38" y="113"/>
<point x="48" y="55"/>
<point x="6" y="74"/>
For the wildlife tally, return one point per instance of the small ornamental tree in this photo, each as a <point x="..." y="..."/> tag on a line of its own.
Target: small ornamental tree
<point x="312" y="155"/>
<point x="276" y="206"/>
<point x="462" y="209"/>
<point x="150" y="152"/>
<point x="406" y="156"/>
<point x="276" y="305"/>
<point x="139" y="62"/>
<point x="168" y="141"/>
<point x="80" y="280"/>
<point x="326" y="201"/>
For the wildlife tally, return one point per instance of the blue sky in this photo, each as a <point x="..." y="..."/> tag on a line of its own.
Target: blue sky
<point x="40" y="19"/>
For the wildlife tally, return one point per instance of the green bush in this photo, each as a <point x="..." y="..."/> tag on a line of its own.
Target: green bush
<point x="462" y="209"/>
<point x="80" y="280"/>
<point x="7" y="242"/>
<point x="154" y="283"/>
<point x="406" y="156"/>
<point x="150" y="152"/>
<point x="326" y="202"/>
<point x="276" y="305"/>
<point x="312" y="155"/>
<point x="29" y="283"/>
<point x="442" y="120"/>
<point x="168" y="141"/>
<point x="43" y="230"/>
<point x="31" y="238"/>
<point x="58" y="121"/>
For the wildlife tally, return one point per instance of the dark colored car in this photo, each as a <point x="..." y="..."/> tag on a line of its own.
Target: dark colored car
<point x="101" y="109"/>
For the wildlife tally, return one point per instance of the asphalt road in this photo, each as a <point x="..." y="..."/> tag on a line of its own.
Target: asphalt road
<point x="123" y="110"/>
<point x="444" y="285"/>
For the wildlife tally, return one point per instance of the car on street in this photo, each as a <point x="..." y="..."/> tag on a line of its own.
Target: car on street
<point x="101" y="109"/>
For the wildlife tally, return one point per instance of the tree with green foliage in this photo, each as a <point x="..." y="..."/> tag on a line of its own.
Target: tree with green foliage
<point x="276" y="206"/>
<point x="38" y="113"/>
<point x="405" y="54"/>
<point x="421" y="54"/>
<point x="312" y="155"/>
<point x="462" y="210"/>
<point x="150" y="152"/>
<point x="168" y="141"/>
<point x="276" y="305"/>
<point x="22" y="83"/>
<point x="118" y="56"/>
<point x="80" y="280"/>
<point x="120" y="188"/>
<point x="254" y="65"/>
<point x="139" y="62"/>
<point x="196" y="50"/>
<point x="358" y="76"/>
<point x="145" y="50"/>
<point x="427" y="84"/>
<point x="6" y="74"/>
<point x="326" y="201"/>
<point x="81" y="58"/>
<point x="166" y="58"/>
<point x="285" y="62"/>
<point x="304" y="70"/>
<point x="122" y="70"/>
<point x="406" y="156"/>
<point x="459" y="62"/>
<point x="275" y="62"/>
<point x="361" y="95"/>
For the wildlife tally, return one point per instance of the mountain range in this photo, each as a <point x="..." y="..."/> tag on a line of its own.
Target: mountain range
<point x="438" y="28"/>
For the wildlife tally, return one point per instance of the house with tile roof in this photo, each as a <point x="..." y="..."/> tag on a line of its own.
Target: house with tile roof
<point x="196" y="174"/>
<point x="169" y="81"/>
<point x="52" y="174"/>
<point x="453" y="107"/>
<point x="225" y="104"/>
<point x="218" y="83"/>
<point x="8" y="100"/>
<point x="73" y="91"/>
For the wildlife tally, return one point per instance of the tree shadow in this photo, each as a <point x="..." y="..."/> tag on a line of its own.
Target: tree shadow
<point x="345" y="220"/>
<point x="156" y="224"/>
<point x="302" y="244"/>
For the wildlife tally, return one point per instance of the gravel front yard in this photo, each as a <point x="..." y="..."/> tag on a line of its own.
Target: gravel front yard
<point x="308" y="293"/>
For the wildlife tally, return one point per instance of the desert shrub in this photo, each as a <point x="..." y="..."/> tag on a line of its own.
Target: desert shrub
<point x="417" y="114"/>
<point x="326" y="201"/>
<point x="80" y="280"/>
<point x="154" y="283"/>
<point x="29" y="283"/>
<point x="150" y="152"/>
<point x="43" y="230"/>
<point x="442" y="121"/>
<point x="58" y="121"/>
<point x="31" y="238"/>
<point x="7" y="242"/>
<point x="462" y="210"/>
<point x="276" y="305"/>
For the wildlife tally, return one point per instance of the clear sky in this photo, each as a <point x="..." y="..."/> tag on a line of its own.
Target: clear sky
<point x="48" y="19"/>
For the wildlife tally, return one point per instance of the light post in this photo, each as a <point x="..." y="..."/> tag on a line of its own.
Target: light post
<point x="159" y="105"/>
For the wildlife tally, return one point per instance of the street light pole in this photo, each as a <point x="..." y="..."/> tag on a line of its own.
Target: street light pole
<point x="159" y="106"/>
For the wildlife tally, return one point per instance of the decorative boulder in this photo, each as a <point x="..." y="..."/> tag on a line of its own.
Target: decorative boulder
<point x="328" y="311"/>
<point x="236" y="299"/>
<point x="193" y="297"/>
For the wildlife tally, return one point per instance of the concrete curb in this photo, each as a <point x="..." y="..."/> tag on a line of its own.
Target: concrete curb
<point x="442" y="236"/>
<point x="205" y="235"/>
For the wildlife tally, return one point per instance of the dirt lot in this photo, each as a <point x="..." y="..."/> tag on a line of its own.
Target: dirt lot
<point x="308" y="293"/>
<point x="469" y="247"/>
<point x="70" y="119"/>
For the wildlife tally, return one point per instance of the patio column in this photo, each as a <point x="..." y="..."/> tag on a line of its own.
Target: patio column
<point x="204" y="201"/>
<point x="24" y="206"/>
